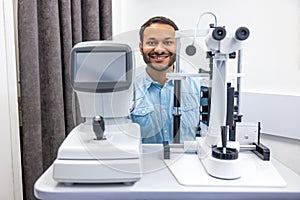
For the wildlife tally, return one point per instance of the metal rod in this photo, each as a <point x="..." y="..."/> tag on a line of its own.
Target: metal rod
<point x="176" y="128"/>
<point x="238" y="86"/>
<point x="177" y="97"/>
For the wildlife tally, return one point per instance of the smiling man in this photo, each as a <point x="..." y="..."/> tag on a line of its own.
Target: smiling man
<point x="154" y="92"/>
<point x="158" y="47"/>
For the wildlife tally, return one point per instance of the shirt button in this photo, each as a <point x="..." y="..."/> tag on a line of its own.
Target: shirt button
<point x="165" y="131"/>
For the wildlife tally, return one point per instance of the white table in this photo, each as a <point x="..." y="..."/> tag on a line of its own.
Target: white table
<point x="158" y="182"/>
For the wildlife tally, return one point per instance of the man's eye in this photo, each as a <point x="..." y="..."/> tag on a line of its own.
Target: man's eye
<point x="168" y="42"/>
<point x="151" y="43"/>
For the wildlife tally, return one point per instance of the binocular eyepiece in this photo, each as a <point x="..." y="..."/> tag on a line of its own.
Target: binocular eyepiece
<point x="216" y="40"/>
<point x="219" y="33"/>
<point x="242" y="33"/>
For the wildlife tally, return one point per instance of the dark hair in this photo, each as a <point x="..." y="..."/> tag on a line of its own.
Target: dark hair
<point x="154" y="20"/>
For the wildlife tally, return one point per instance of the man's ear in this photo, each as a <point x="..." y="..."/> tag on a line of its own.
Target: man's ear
<point x="141" y="47"/>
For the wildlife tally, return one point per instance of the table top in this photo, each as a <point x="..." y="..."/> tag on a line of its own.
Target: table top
<point x="158" y="182"/>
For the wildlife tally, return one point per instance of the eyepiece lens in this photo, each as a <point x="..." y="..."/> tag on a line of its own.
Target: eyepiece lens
<point x="242" y="33"/>
<point x="219" y="33"/>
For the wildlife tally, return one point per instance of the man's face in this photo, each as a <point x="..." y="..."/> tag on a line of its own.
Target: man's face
<point x="158" y="47"/>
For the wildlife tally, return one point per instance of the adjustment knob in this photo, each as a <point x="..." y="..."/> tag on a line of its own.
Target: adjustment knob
<point x="98" y="127"/>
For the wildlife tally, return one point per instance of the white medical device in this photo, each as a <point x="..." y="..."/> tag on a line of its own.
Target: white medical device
<point x="106" y="148"/>
<point x="219" y="161"/>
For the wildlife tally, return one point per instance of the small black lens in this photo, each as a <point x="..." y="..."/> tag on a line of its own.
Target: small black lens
<point x="219" y="33"/>
<point x="242" y="33"/>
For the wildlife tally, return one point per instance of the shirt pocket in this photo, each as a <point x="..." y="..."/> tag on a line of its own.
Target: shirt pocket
<point x="142" y="115"/>
<point x="145" y="117"/>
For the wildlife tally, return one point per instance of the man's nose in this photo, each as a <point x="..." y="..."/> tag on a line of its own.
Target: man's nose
<point x="160" y="48"/>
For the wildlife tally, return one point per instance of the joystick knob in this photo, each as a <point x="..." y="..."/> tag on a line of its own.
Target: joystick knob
<point x="98" y="127"/>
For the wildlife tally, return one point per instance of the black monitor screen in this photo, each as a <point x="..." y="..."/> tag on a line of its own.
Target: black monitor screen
<point x="100" y="67"/>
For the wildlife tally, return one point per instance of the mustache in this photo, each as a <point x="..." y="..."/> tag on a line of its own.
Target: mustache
<point x="153" y="54"/>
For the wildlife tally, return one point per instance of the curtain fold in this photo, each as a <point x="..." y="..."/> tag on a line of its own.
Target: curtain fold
<point x="47" y="30"/>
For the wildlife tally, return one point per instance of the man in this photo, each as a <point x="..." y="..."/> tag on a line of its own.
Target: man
<point x="154" y="92"/>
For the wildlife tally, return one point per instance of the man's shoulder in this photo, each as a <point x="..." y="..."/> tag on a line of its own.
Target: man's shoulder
<point x="141" y="79"/>
<point x="141" y="84"/>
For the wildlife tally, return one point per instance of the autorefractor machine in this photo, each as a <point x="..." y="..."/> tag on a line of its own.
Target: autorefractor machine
<point x="106" y="148"/>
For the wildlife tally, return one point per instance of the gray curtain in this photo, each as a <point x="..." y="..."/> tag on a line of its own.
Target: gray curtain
<point x="47" y="30"/>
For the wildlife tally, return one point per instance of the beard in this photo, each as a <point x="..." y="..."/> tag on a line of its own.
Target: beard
<point x="147" y="57"/>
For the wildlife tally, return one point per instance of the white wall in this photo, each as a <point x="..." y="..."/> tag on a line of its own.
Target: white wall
<point x="10" y="160"/>
<point x="271" y="59"/>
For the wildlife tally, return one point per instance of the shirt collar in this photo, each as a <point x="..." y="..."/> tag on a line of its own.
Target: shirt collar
<point x="148" y="81"/>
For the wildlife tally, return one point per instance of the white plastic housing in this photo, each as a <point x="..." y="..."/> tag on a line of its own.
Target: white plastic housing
<point x="223" y="169"/>
<point x="117" y="158"/>
<point x="108" y="105"/>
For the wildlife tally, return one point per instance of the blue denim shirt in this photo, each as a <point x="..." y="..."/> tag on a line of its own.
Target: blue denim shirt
<point x="154" y="109"/>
